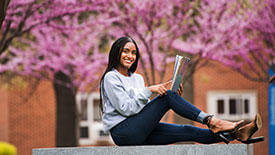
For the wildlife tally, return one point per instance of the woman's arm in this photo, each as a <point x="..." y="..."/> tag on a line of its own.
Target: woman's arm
<point x="162" y="88"/>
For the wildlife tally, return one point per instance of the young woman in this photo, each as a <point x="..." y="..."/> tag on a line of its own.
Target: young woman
<point x="133" y="119"/>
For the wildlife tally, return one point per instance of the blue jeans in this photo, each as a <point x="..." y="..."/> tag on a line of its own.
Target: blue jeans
<point x="145" y="127"/>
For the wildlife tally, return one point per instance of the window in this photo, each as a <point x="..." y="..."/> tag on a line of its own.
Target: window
<point x="84" y="132"/>
<point x="90" y="125"/>
<point x="220" y="106"/>
<point x="96" y="112"/>
<point x="83" y="109"/>
<point x="232" y="105"/>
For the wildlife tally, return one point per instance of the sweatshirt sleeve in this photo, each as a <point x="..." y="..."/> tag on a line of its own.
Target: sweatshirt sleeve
<point x="126" y="104"/>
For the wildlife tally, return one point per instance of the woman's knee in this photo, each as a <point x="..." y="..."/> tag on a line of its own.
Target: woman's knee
<point x="170" y="93"/>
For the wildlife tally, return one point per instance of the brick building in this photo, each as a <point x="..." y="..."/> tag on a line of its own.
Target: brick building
<point x="227" y="94"/>
<point x="28" y="117"/>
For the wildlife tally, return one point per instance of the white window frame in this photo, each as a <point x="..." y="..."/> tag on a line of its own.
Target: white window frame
<point x="213" y="96"/>
<point x="94" y="127"/>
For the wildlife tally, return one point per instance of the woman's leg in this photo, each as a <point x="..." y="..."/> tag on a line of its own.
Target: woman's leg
<point x="165" y="133"/>
<point x="187" y="110"/>
<point x="136" y="129"/>
<point x="184" y="108"/>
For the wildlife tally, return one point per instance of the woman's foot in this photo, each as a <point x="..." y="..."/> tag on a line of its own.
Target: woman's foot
<point x="246" y="132"/>
<point x="217" y="125"/>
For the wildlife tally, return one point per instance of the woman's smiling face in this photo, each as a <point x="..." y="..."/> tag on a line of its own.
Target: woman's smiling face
<point x="128" y="55"/>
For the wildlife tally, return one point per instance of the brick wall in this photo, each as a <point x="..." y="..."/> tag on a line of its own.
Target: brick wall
<point x="4" y="122"/>
<point x="31" y="115"/>
<point x="215" y="76"/>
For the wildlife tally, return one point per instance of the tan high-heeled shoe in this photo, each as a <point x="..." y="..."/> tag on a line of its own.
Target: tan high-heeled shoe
<point x="219" y="127"/>
<point x="244" y="133"/>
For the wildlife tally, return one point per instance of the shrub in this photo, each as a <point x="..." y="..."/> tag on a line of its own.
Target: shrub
<point x="7" y="149"/>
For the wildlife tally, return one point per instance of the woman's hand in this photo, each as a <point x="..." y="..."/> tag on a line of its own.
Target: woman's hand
<point x="160" y="88"/>
<point x="180" y="89"/>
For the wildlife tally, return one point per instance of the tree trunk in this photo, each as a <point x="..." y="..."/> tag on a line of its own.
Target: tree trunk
<point x="3" y="7"/>
<point x="66" y="112"/>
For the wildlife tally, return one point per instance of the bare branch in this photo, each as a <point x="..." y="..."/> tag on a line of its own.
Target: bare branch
<point x="3" y="7"/>
<point x="249" y="77"/>
<point x="258" y="61"/>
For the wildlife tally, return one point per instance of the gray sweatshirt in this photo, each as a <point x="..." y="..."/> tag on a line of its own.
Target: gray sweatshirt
<point x="122" y="97"/>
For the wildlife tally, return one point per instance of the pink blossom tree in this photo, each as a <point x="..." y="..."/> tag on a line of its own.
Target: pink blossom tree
<point x="54" y="40"/>
<point x="155" y="25"/>
<point x="240" y="35"/>
<point x="24" y="15"/>
<point x="72" y="50"/>
<point x="70" y="58"/>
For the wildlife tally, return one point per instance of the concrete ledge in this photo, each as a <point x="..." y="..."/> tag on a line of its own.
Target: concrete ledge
<point x="213" y="149"/>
